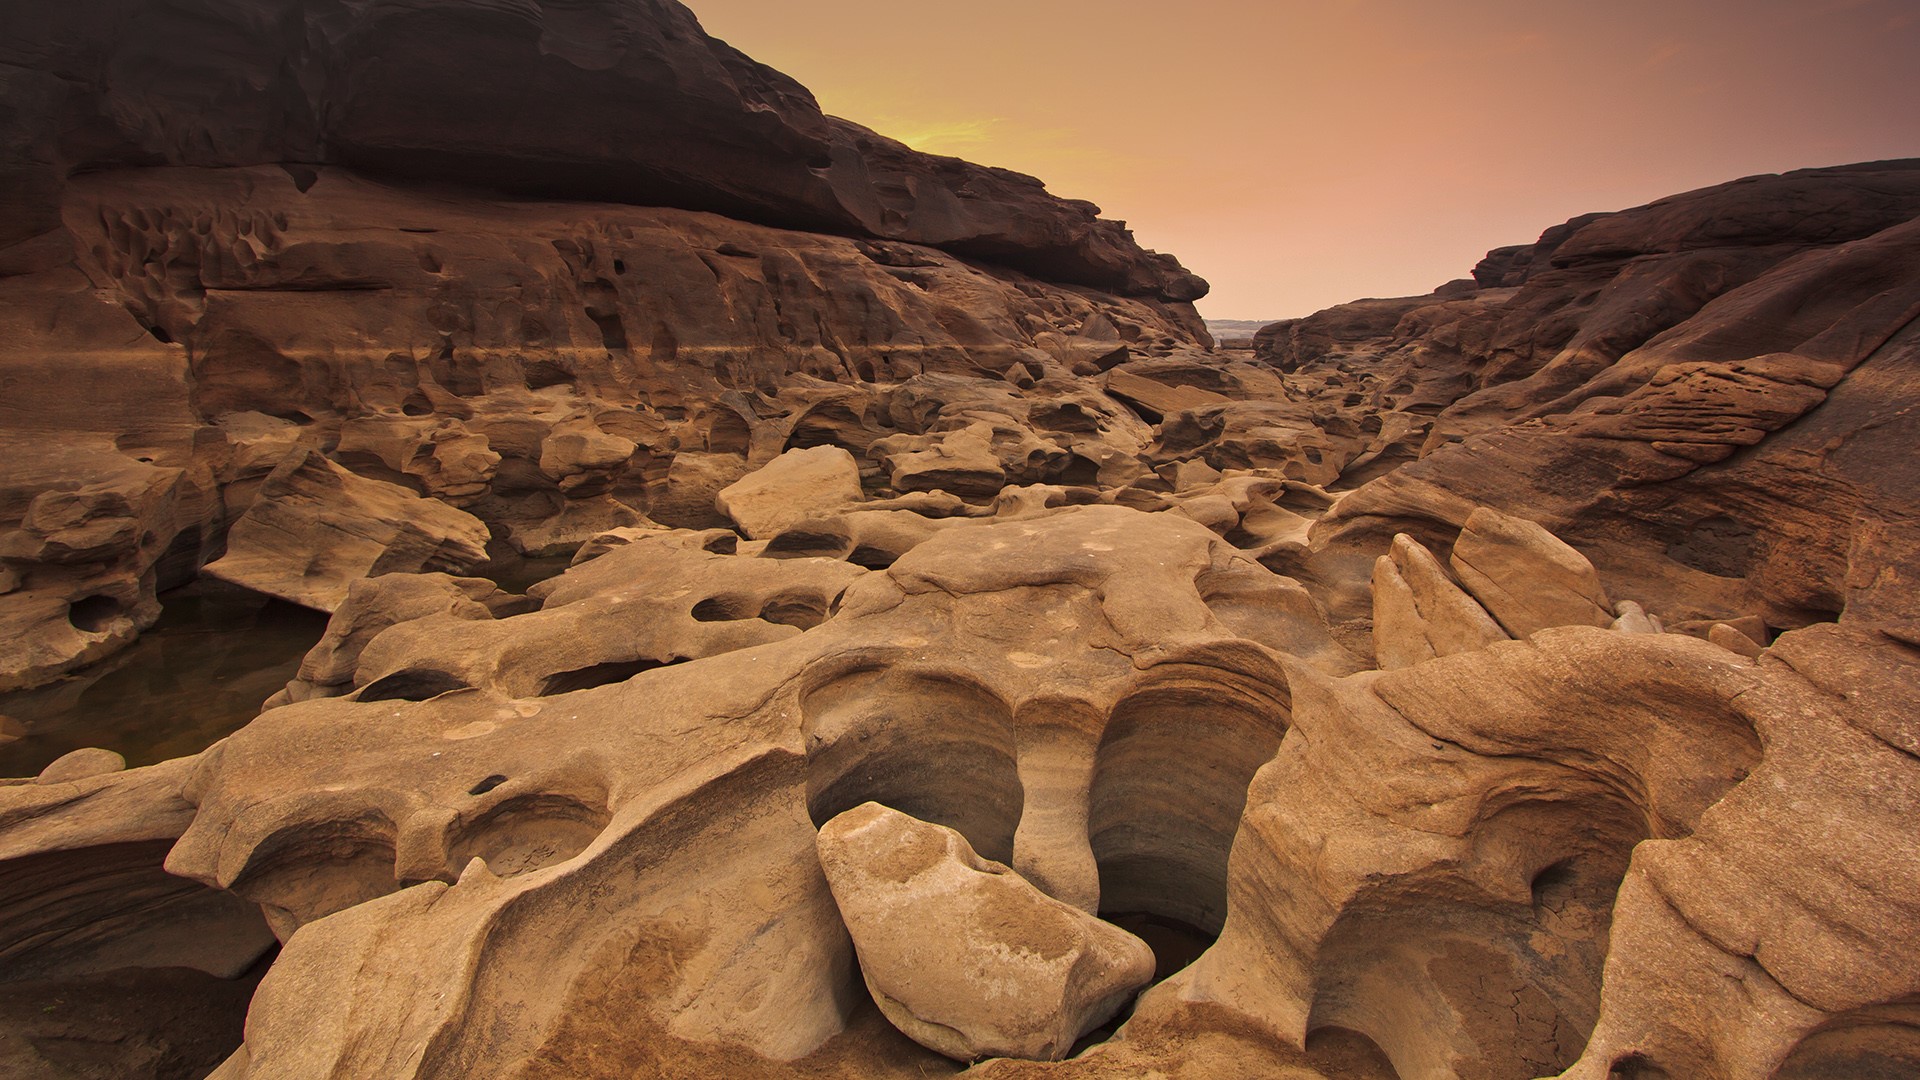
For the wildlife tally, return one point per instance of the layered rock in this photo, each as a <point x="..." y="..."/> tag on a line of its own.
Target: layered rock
<point x="1684" y="392"/>
<point x="448" y="91"/>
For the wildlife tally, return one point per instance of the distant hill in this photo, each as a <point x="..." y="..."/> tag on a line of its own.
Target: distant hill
<point x="1236" y="330"/>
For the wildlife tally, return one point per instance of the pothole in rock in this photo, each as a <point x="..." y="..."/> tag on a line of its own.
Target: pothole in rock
<point x="606" y="674"/>
<point x="805" y="610"/>
<point x="528" y="832"/>
<point x="412" y="684"/>
<point x="930" y="745"/>
<point x="94" y="614"/>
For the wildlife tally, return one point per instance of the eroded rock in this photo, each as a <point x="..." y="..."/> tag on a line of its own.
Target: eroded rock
<point x="961" y="953"/>
<point x="315" y="528"/>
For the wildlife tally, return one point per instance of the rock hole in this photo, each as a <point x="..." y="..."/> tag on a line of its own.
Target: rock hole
<point x="607" y="674"/>
<point x="1552" y="886"/>
<point x="828" y="425"/>
<point x="720" y="609"/>
<point x="1635" y="1067"/>
<point x="1878" y="1042"/>
<point x="619" y="266"/>
<point x="412" y="684"/>
<point x="311" y="870"/>
<point x="721" y="544"/>
<point x="541" y="374"/>
<point x="417" y="404"/>
<point x="303" y="177"/>
<point x="871" y="557"/>
<point x="93" y="614"/>
<point x="1175" y="944"/>
<point x="487" y="785"/>
<point x="1080" y="472"/>
<point x="804" y="543"/>
<point x="1343" y="1052"/>
<point x="927" y="744"/>
<point x="528" y="832"/>
<point x="789" y="609"/>
<point x="1169" y="783"/>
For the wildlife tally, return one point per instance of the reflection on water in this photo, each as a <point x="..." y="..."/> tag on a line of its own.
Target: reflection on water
<point x="217" y="652"/>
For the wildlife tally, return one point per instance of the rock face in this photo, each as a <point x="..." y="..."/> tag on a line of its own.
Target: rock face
<point x="1513" y="681"/>
<point x="679" y="119"/>
<point x="961" y="953"/>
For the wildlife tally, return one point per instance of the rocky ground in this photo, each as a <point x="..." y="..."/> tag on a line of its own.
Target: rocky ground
<point x="961" y="657"/>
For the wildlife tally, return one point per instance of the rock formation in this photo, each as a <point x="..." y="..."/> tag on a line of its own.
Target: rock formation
<point x="1514" y="681"/>
<point x="963" y="955"/>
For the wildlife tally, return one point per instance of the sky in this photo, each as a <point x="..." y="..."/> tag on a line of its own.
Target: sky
<point x="1302" y="153"/>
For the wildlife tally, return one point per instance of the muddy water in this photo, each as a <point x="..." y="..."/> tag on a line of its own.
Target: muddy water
<point x="201" y="673"/>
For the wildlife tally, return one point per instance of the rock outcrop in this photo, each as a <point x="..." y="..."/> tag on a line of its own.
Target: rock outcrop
<point x="490" y="96"/>
<point x="1509" y="682"/>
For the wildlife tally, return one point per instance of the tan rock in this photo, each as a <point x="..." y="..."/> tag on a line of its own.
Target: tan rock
<point x="797" y="485"/>
<point x="316" y="528"/>
<point x="82" y="765"/>
<point x="962" y="462"/>
<point x="964" y="955"/>
<point x="1525" y="576"/>
<point x="1733" y="640"/>
<point x="1419" y="613"/>
<point x="1634" y="619"/>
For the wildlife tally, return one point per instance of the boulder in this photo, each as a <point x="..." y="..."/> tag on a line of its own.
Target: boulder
<point x="1526" y="577"/>
<point x="316" y="528"/>
<point x="797" y="485"/>
<point x="1419" y="613"/>
<point x="964" y="955"/>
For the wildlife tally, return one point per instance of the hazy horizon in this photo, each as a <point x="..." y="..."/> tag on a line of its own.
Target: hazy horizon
<point x="1301" y="155"/>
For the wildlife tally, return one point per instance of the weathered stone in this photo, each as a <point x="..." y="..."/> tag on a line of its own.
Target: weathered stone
<point x="316" y="528"/>
<point x="797" y="485"/>
<point x="960" y="952"/>
<point x="1419" y="613"/>
<point x="1526" y="577"/>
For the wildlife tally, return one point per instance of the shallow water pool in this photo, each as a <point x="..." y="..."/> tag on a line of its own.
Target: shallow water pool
<point x="198" y="675"/>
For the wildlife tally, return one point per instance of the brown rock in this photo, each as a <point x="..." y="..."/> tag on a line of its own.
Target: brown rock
<point x="960" y="952"/>
<point x="797" y="485"/>
<point x="316" y="528"/>
<point x="1419" y="613"/>
<point x="1526" y="577"/>
<point x="81" y="765"/>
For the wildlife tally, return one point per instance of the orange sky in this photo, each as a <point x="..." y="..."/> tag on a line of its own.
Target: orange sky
<point x="1299" y="153"/>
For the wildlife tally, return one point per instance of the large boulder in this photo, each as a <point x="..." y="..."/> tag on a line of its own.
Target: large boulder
<point x="791" y="488"/>
<point x="964" y="955"/>
<point x="317" y="528"/>
<point x="1527" y="578"/>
